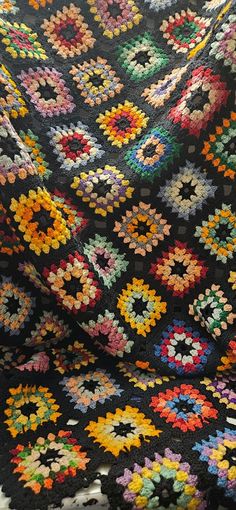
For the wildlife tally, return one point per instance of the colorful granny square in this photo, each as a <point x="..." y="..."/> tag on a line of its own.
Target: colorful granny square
<point x="30" y="272"/>
<point x="140" y="306"/>
<point x="73" y="357"/>
<point x="122" y="123"/>
<point x="159" y="5"/>
<point x="42" y="225"/>
<point x="15" y="162"/>
<point x="75" y="219"/>
<point x="67" y="32"/>
<point x="11" y="100"/>
<point x="223" y="46"/>
<point x="184" y="30"/>
<point x="187" y="191"/>
<point x="107" y="261"/>
<point x="122" y="430"/>
<point x="219" y="452"/>
<point x="153" y="153"/>
<point x="179" y="269"/>
<point x="11" y="357"/>
<point x="158" y="93"/>
<point x="21" y="41"/>
<point x="9" y="242"/>
<point x="142" y="228"/>
<point x="211" y="5"/>
<point x="161" y="482"/>
<point x="103" y="189"/>
<point x="183" y="349"/>
<point x="204" y="95"/>
<point x="96" y="81"/>
<point x="38" y="362"/>
<point x="218" y="233"/>
<point x="219" y="149"/>
<point x="74" y="145"/>
<point x="36" y="4"/>
<point x="141" y="57"/>
<point x="115" y="16"/>
<point x="28" y="407"/>
<point x="16" y="306"/>
<point x="87" y="390"/>
<point x="66" y="455"/>
<point x="142" y="378"/>
<point x="34" y="149"/>
<point x="184" y="407"/>
<point x="213" y="310"/>
<point x="108" y="334"/>
<point x="228" y="360"/>
<point x="47" y="91"/>
<point x="222" y="388"/>
<point x="8" y="6"/>
<point x="48" y="330"/>
<point x="73" y="283"/>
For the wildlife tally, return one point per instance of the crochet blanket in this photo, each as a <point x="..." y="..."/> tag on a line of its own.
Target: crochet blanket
<point x="117" y="243"/>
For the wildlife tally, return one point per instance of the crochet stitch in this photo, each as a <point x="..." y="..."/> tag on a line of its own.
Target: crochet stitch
<point x="117" y="254"/>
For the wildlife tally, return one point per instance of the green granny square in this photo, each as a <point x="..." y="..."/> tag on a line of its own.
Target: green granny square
<point x="141" y="57"/>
